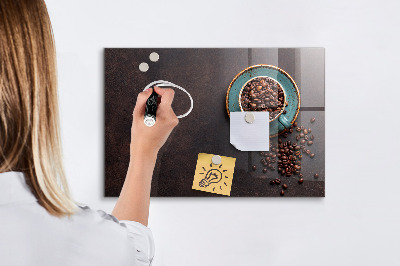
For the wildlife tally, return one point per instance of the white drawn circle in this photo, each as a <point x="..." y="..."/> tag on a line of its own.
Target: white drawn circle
<point x="216" y="159"/>
<point x="164" y="83"/>
<point x="154" y="57"/>
<point x="143" y="67"/>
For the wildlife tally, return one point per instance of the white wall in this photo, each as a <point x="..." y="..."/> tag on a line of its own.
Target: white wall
<point x="358" y="221"/>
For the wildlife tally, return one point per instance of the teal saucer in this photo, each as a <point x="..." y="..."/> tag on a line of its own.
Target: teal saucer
<point x="284" y="121"/>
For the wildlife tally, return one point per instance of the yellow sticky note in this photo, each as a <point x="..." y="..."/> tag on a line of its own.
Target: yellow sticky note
<point x="214" y="178"/>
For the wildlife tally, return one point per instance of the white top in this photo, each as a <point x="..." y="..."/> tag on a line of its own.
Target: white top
<point x="31" y="236"/>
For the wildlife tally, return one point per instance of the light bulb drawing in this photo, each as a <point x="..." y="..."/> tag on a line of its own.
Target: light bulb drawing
<point x="212" y="176"/>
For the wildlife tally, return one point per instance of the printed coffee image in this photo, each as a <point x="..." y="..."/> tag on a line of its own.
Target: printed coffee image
<point x="294" y="165"/>
<point x="263" y="94"/>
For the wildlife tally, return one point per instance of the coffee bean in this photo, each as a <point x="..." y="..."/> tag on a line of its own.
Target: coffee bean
<point x="295" y="124"/>
<point x="262" y="161"/>
<point x="305" y="131"/>
<point x="282" y="192"/>
<point x="284" y="186"/>
<point x="309" y="130"/>
<point x="277" y="181"/>
<point x="254" y="167"/>
<point x="312" y="120"/>
<point x="303" y="141"/>
<point x="301" y="180"/>
<point x="301" y="135"/>
<point x="312" y="137"/>
<point x="302" y="127"/>
<point x="306" y="137"/>
<point x="264" y="170"/>
<point x="272" y="182"/>
<point x="312" y="155"/>
<point x="298" y="129"/>
<point x="316" y="175"/>
<point x="308" y="152"/>
<point x="310" y="142"/>
<point x="297" y="138"/>
<point x="300" y="175"/>
<point x="262" y="153"/>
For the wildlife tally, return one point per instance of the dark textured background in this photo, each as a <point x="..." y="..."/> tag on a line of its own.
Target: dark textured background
<point x="206" y="74"/>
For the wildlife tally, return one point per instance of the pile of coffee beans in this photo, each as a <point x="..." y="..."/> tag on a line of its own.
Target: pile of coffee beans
<point x="263" y="94"/>
<point x="287" y="155"/>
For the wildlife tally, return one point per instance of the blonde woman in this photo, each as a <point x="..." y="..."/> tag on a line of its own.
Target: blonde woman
<point x="40" y="224"/>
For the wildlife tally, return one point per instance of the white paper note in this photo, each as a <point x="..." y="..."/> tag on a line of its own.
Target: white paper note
<point x="246" y="136"/>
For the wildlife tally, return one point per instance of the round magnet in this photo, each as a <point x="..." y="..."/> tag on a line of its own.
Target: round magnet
<point x="216" y="159"/>
<point x="143" y="67"/>
<point x="154" y="57"/>
<point x="249" y="117"/>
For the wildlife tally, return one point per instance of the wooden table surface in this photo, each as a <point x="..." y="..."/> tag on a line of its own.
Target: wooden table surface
<point x="206" y="73"/>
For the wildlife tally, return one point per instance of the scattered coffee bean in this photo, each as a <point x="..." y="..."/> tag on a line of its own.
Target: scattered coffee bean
<point x="310" y="142"/>
<point x="264" y="170"/>
<point x="295" y="124"/>
<point x="254" y="167"/>
<point x="277" y="181"/>
<point x="301" y="180"/>
<point x="302" y="127"/>
<point x="312" y="155"/>
<point x="308" y="152"/>
<point x="298" y="129"/>
<point x="312" y="120"/>
<point x="282" y="192"/>
<point x="312" y="137"/>
<point x="300" y="175"/>
<point x="306" y="137"/>
<point x="305" y="131"/>
<point x="316" y="175"/>
<point x="301" y="135"/>
<point x="303" y="141"/>
<point x="272" y="182"/>
<point x="309" y="130"/>
<point x="297" y="138"/>
<point x="284" y="186"/>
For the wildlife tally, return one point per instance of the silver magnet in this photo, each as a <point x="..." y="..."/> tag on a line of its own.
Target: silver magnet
<point x="216" y="159"/>
<point x="249" y="118"/>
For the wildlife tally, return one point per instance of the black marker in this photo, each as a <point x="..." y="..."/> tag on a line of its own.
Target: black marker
<point x="151" y="109"/>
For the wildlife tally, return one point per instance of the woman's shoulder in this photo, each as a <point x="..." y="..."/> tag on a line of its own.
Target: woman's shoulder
<point x="135" y="235"/>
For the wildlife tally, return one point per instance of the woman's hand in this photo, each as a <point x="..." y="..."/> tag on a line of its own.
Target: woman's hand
<point x="149" y="140"/>
<point x="134" y="200"/>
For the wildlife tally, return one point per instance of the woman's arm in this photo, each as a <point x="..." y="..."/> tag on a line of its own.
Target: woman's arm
<point x="134" y="200"/>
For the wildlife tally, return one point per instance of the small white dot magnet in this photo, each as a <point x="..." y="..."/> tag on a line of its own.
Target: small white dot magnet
<point x="249" y="118"/>
<point x="216" y="159"/>
<point x="143" y="67"/>
<point x="154" y="57"/>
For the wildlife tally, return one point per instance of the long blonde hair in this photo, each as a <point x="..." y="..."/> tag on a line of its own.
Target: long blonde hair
<point x="29" y="120"/>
